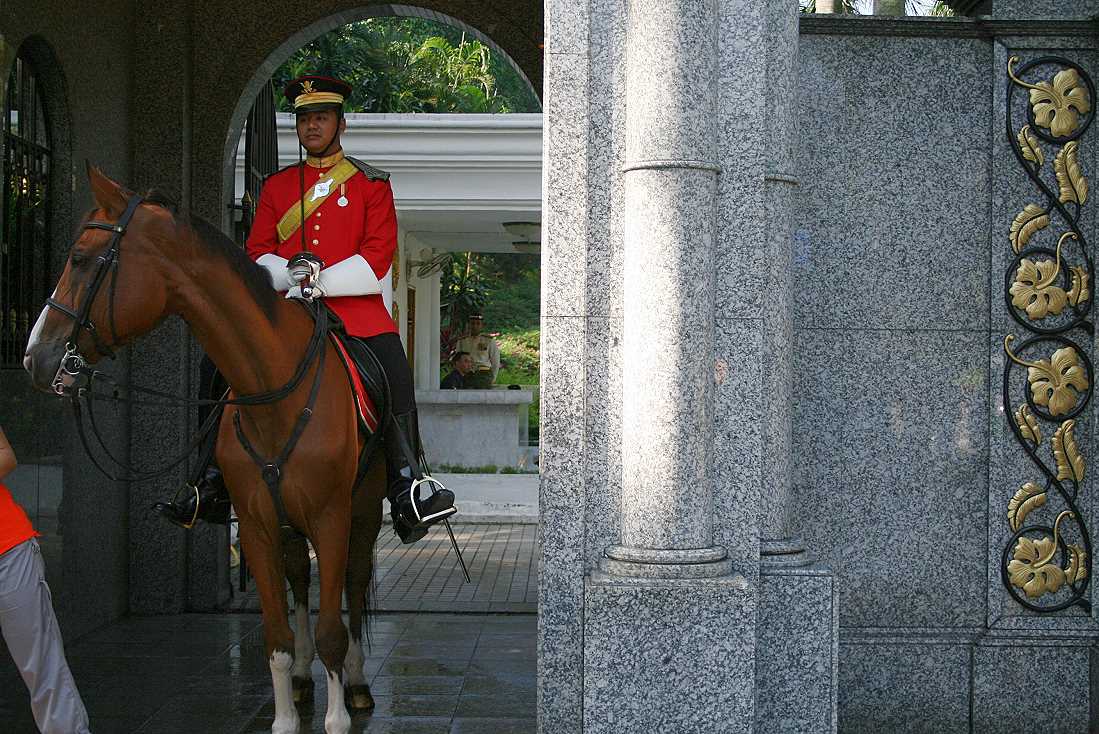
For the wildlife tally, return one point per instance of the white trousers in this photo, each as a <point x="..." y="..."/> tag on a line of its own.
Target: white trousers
<point x="34" y="640"/>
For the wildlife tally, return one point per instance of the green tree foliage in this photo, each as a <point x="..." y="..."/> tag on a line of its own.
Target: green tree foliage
<point x="411" y="65"/>
<point x="504" y="288"/>
<point x="461" y="293"/>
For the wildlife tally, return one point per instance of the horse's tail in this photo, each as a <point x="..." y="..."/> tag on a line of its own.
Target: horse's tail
<point x="370" y="594"/>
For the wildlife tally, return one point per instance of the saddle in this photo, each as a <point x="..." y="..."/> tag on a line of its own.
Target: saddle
<point x="368" y="386"/>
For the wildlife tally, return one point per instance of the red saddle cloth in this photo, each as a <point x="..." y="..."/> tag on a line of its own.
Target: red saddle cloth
<point x="368" y="414"/>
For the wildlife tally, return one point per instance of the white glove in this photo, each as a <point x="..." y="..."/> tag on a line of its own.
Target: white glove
<point x="350" y="277"/>
<point x="276" y="266"/>
<point x="300" y="270"/>
<point x="316" y="292"/>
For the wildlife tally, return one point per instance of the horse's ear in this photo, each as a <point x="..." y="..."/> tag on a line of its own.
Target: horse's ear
<point x="109" y="195"/>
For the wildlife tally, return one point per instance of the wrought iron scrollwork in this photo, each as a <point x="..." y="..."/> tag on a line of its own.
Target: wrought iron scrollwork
<point x="1046" y="567"/>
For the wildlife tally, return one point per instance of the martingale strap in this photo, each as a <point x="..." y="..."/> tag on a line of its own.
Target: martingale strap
<point x="271" y="471"/>
<point x="292" y="219"/>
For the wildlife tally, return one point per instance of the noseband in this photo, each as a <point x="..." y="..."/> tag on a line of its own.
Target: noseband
<point x="73" y="362"/>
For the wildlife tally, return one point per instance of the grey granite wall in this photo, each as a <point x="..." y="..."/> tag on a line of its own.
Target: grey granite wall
<point x="891" y="249"/>
<point x="87" y="104"/>
<point x="903" y="457"/>
<point x="891" y="313"/>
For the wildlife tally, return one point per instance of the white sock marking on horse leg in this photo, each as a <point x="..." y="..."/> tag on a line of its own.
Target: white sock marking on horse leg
<point x="336" y="718"/>
<point x="304" y="650"/>
<point x="286" y="716"/>
<point x="353" y="663"/>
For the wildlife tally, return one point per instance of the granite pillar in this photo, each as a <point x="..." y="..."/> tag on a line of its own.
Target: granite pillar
<point x="781" y="30"/>
<point x="670" y="181"/>
<point x="664" y="618"/>
<point x="797" y="632"/>
<point x="171" y="570"/>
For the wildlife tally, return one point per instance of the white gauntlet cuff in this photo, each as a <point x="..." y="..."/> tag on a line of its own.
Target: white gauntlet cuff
<point x="350" y="277"/>
<point x="276" y="266"/>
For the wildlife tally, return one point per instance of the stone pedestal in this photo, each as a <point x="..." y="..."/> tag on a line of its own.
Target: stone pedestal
<point x="667" y="655"/>
<point x="797" y="650"/>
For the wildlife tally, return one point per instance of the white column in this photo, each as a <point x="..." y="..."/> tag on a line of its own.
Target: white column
<point x="427" y="325"/>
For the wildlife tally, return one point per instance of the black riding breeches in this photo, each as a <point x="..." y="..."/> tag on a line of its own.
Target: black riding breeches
<point x="390" y="352"/>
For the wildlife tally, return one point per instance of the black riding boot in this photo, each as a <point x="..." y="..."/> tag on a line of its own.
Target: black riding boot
<point x="412" y="512"/>
<point x="207" y="500"/>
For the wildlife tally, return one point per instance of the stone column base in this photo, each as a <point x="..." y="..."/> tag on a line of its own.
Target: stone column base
<point x="668" y="655"/>
<point x="797" y="650"/>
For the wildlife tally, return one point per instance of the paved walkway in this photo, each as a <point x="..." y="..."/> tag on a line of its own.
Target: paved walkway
<point x="425" y="576"/>
<point x="430" y="673"/>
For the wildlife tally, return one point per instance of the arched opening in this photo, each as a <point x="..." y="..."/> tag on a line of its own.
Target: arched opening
<point x="468" y="183"/>
<point x="279" y="55"/>
<point x="24" y="210"/>
<point x="35" y="212"/>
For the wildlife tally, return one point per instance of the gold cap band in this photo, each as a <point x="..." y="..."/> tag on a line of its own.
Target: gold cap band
<point x="317" y="98"/>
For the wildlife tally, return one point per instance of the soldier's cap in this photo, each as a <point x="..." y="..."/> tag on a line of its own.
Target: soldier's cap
<point x="310" y="93"/>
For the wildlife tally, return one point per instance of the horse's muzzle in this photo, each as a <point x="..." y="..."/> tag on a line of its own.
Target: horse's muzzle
<point x="42" y="362"/>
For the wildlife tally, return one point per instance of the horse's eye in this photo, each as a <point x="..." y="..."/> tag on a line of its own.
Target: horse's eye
<point x="78" y="259"/>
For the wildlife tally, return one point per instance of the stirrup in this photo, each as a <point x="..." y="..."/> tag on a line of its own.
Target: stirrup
<point x="410" y="499"/>
<point x="170" y="512"/>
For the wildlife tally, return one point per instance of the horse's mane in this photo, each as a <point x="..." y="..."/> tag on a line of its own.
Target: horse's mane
<point x="256" y="279"/>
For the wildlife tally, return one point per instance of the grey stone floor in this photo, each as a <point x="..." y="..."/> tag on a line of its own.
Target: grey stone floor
<point x="425" y="576"/>
<point x="446" y="673"/>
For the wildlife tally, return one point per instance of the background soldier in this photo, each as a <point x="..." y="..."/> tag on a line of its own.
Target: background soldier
<point x="485" y="353"/>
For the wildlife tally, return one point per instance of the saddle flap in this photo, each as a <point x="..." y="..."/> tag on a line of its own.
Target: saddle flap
<point x="365" y="382"/>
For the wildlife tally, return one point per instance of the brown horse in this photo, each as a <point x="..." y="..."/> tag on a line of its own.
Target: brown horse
<point x="162" y="267"/>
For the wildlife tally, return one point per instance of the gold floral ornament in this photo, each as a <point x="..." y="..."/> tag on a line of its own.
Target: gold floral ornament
<point x="1028" y="424"/>
<point x="1070" y="463"/>
<point x="1079" y="292"/>
<point x="1073" y="183"/>
<point x="1056" y="382"/>
<point x="1030" y="220"/>
<point x="1031" y="292"/>
<point x="1030" y="568"/>
<point x="1028" y="143"/>
<point x="1029" y="498"/>
<point x="1077" y="569"/>
<point x="1033" y="289"/>
<point x="1056" y="106"/>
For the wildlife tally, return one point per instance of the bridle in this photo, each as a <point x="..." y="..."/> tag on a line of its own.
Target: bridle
<point x="73" y="362"/>
<point x="75" y="365"/>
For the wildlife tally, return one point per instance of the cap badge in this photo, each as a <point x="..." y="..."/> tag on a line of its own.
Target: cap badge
<point x="307" y="87"/>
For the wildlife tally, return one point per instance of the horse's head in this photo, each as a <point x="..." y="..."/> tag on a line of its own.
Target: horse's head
<point x="112" y="288"/>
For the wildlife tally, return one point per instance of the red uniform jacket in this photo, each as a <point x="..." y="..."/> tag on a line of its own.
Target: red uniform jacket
<point x="367" y="226"/>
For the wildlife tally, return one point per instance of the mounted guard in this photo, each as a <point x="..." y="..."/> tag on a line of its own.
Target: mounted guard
<point x="327" y="228"/>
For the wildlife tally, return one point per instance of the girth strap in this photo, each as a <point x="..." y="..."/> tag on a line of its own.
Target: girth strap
<point x="271" y="471"/>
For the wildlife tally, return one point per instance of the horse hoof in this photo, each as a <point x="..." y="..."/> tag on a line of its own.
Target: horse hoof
<point x="358" y="698"/>
<point x="303" y="690"/>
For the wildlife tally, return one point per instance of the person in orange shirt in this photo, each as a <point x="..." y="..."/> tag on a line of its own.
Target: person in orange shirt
<point x="27" y="620"/>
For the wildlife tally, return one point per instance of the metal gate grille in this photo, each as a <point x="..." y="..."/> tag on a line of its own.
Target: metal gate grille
<point x="261" y="155"/>
<point x="24" y="212"/>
